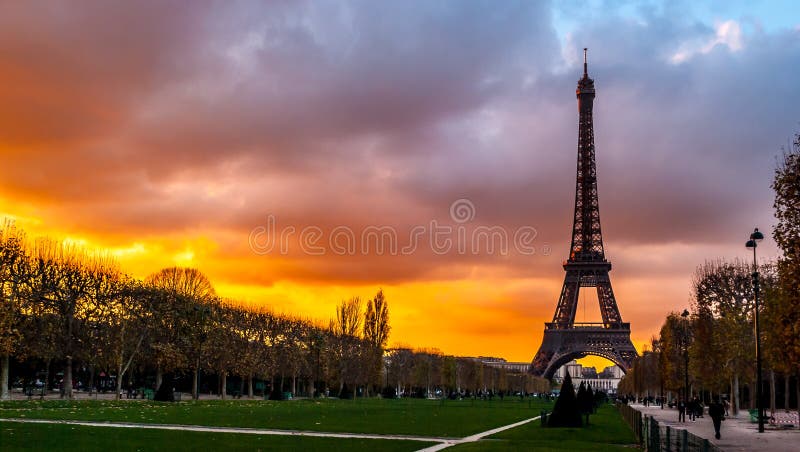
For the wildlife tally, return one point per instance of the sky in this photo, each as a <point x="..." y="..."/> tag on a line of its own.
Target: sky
<point x="300" y="153"/>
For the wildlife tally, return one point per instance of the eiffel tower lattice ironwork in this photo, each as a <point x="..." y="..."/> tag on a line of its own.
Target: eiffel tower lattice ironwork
<point x="564" y="339"/>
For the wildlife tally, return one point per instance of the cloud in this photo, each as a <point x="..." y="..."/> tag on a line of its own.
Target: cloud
<point x="167" y="130"/>
<point x="728" y="33"/>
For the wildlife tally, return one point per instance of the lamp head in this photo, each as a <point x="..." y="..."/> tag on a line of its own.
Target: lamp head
<point x="757" y="236"/>
<point x="750" y="244"/>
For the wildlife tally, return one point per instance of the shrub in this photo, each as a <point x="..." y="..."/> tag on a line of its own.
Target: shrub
<point x="566" y="412"/>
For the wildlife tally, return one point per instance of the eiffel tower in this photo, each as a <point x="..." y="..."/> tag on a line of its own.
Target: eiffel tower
<point x="564" y="339"/>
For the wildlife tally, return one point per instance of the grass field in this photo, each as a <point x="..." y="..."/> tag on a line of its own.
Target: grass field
<point x="410" y="417"/>
<point x="607" y="431"/>
<point x="16" y="436"/>
<point x="406" y="416"/>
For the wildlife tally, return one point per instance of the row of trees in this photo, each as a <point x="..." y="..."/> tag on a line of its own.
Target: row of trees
<point x="429" y="372"/>
<point x="64" y="308"/>
<point x="717" y="337"/>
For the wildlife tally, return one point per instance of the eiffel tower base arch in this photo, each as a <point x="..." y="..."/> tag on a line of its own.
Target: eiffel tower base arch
<point x="562" y="345"/>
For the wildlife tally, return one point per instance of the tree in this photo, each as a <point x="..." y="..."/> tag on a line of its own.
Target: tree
<point x="585" y="399"/>
<point x="671" y="358"/>
<point x="724" y="302"/>
<point x="187" y="294"/>
<point x="127" y="324"/>
<point x="13" y="265"/>
<point x="63" y="278"/>
<point x="345" y="343"/>
<point x="348" y="318"/>
<point x="783" y="308"/>
<point x="566" y="412"/>
<point x="223" y="344"/>
<point x="376" y="333"/>
<point x="376" y="321"/>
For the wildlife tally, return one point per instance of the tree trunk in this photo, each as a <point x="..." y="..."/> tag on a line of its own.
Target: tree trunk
<point x="786" y="391"/>
<point x="223" y="377"/>
<point x="159" y="377"/>
<point x="91" y="379"/>
<point x="294" y="385"/>
<point x="46" y="378"/>
<point x="195" y="376"/>
<point x="119" y="379"/>
<point x="753" y="394"/>
<point x="66" y="386"/>
<point x="241" y="387"/>
<point x="4" y="377"/>
<point x="772" y="391"/>
<point x="735" y="392"/>
<point x="250" y="387"/>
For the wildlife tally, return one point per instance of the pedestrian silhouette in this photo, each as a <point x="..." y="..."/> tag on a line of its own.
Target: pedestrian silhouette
<point x="717" y="413"/>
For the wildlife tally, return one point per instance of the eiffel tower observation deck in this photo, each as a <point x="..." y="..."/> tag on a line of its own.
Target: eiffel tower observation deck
<point x="564" y="339"/>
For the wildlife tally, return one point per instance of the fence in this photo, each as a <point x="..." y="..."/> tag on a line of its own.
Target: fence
<point x="654" y="437"/>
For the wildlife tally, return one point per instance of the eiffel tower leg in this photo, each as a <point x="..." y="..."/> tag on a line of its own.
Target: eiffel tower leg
<point x="568" y="301"/>
<point x="608" y="304"/>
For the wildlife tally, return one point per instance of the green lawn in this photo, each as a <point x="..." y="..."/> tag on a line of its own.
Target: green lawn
<point x="407" y="416"/>
<point x="607" y="432"/>
<point x="17" y="436"/>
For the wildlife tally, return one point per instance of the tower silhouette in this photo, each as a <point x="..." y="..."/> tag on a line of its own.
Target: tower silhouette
<point x="564" y="339"/>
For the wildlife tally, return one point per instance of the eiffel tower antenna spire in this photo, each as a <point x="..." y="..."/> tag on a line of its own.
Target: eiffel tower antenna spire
<point x="585" y="66"/>
<point x="587" y="266"/>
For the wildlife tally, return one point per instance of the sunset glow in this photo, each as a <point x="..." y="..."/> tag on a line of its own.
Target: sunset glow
<point x="170" y="133"/>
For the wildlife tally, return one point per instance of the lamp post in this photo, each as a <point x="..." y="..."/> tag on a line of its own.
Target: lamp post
<point x="685" y="315"/>
<point x="755" y="238"/>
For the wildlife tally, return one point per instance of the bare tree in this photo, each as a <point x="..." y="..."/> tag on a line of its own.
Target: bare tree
<point x="127" y="323"/>
<point x="195" y="293"/>
<point x="376" y="333"/>
<point x="348" y="318"/>
<point x="64" y="275"/>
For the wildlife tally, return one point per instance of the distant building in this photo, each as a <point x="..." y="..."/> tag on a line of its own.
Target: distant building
<point x="519" y="367"/>
<point x="589" y="372"/>
<point x="607" y="380"/>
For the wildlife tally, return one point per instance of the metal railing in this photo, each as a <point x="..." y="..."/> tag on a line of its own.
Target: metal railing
<point x="655" y="437"/>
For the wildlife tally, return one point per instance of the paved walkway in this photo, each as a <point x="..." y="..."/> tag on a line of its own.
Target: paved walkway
<point x="443" y="442"/>
<point x="477" y="436"/>
<point x="737" y="433"/>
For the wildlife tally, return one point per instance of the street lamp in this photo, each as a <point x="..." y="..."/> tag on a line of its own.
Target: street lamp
<point x="685" y="315"/>
<point x="755" y="238"/>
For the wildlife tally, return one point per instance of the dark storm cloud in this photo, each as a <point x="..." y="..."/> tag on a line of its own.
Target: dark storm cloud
<point x="158" y="118"/>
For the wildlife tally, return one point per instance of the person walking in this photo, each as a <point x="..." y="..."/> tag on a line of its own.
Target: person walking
<point x="681" y="411"/>
<point x="717" y="413"/>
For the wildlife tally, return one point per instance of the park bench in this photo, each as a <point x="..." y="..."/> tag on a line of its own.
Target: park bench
<point x="784" y="420"/>
<point x="754" y="416"/>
